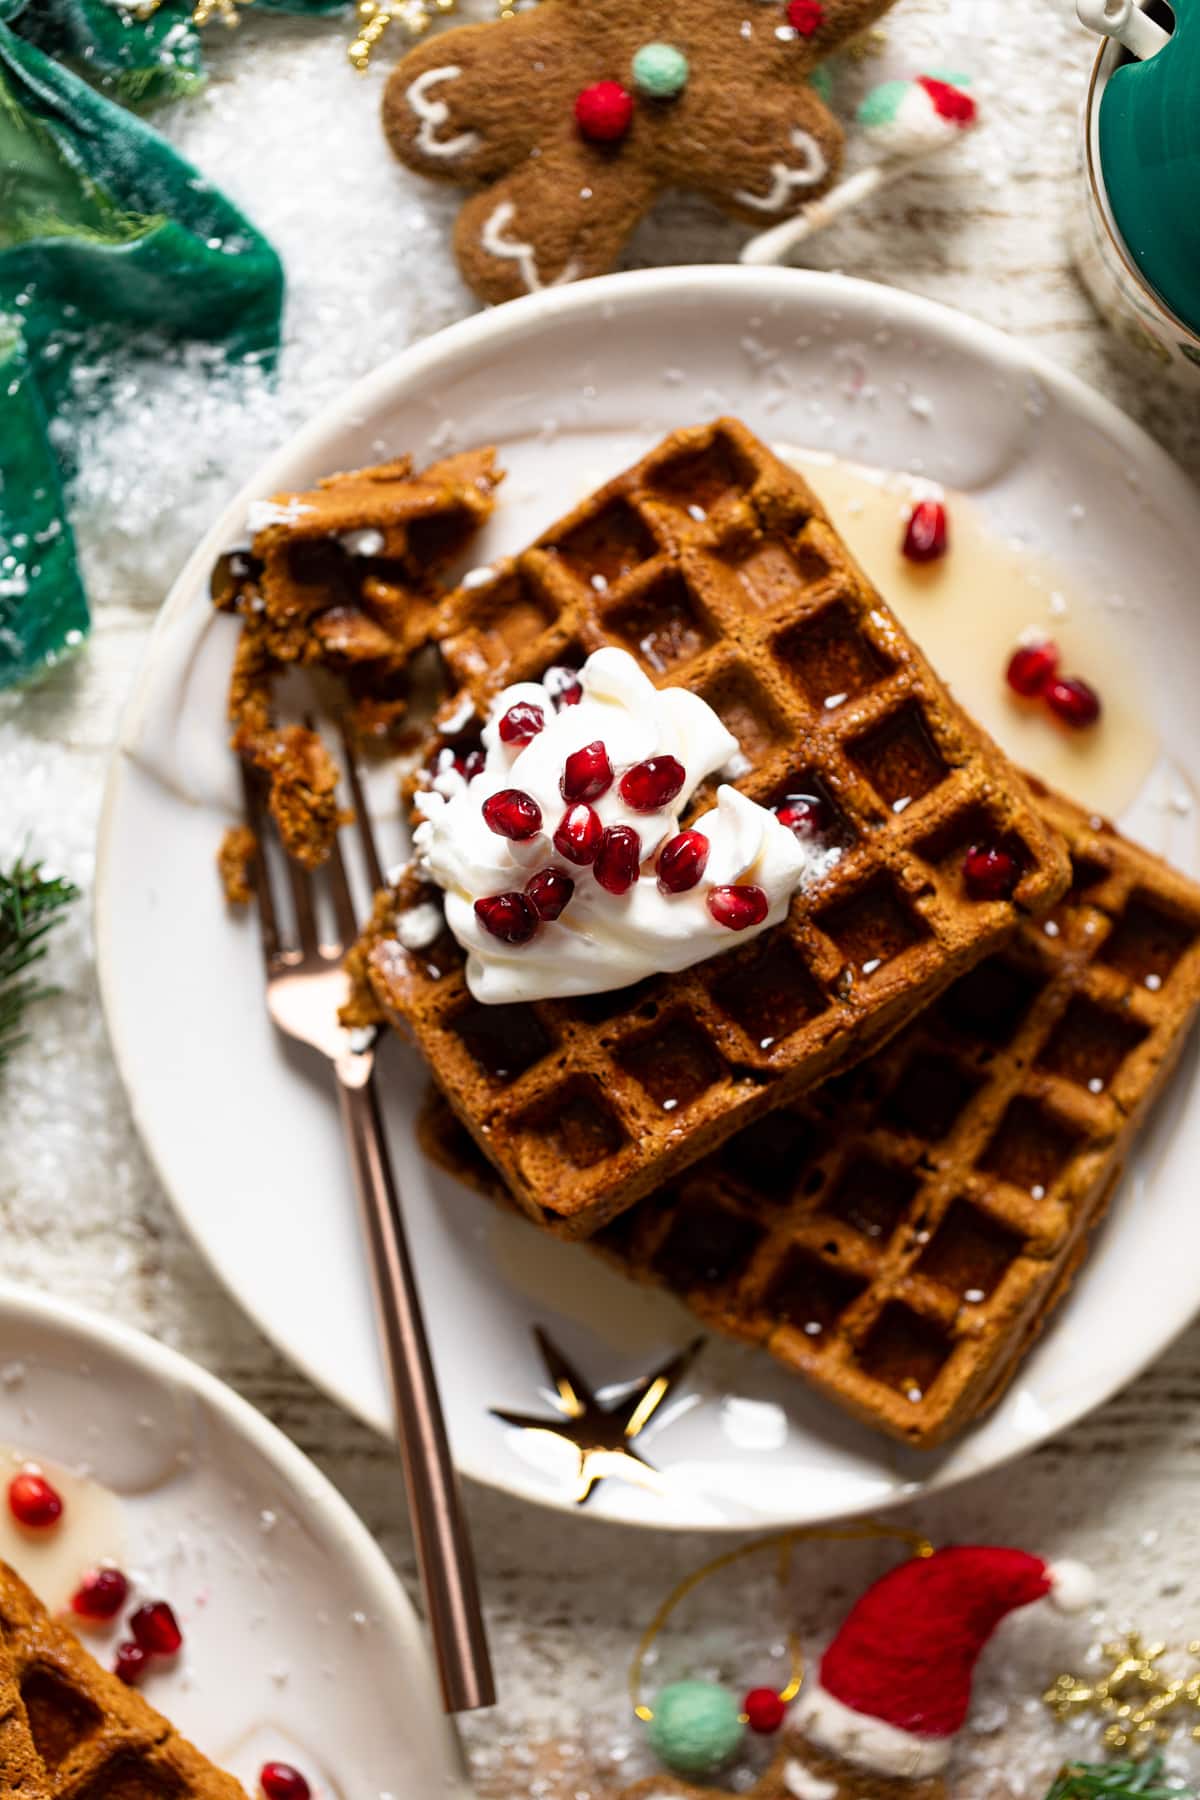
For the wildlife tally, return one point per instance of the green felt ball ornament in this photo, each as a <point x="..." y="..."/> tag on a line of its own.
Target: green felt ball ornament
<point x="660" y="72"/>
<point x="696" y="1728"/>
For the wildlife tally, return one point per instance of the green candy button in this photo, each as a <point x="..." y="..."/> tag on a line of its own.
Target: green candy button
<point x="660" y="71"/>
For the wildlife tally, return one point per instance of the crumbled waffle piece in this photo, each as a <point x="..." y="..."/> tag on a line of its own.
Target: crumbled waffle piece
<point x="96" y="1738"/>
<point x="365" y="547"/>
<point x="235" y="860"/>
<point x="346" y="578"/>
<point x="900" y="1236"/>
<point x="302" y="791"/>
<point x="714" y="564"/>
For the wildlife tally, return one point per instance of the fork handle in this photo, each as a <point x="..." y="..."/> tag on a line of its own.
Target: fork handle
<point x="444" y="1552"/>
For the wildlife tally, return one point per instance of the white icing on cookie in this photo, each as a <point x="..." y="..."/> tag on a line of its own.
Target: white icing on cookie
<point x="434" y="113"/>
<point x="785" y="179"/>
<point x="496" y="243"/>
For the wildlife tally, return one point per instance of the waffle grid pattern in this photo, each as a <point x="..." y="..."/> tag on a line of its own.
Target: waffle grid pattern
<point x="95" y="1738"/>
<point x="713" y="563"/>
<point x="899" y="1237"/>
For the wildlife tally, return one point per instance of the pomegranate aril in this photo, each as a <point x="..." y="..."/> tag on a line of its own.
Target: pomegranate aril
<point x="1072" y="700"/>
<point x="587" y="773"/>
<point x="509" y="917"/>
<point x="618" y="859"/>
<point x="926" y="537"/>
<point x="738" y="907"/>
<point x="578" y="834"/>
<point x="1030" y="667"/>
<point x="765" y="1710"/>
<point x="156" y="1629"/>
<point x="652" y="784"/>
<point x="521" y="723"/>
<point x="100" y="1595"/>
<point x="512" y="814"/>
<point x="467" y="763"/>
<point x="806" y="815"/>
<point x="279" y="1781"/>
<point x="130" y="1664"/>
<point x="549" y="891"/>
<point x="682" y="861"/>
<point x="989" y="874"/>
<point x="563" y="686"/>
<point x="33" y="1501"/>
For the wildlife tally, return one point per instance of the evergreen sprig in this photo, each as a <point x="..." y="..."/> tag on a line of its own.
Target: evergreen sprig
<point x="1115" y="1781"/>
<point x="31" y="904"/>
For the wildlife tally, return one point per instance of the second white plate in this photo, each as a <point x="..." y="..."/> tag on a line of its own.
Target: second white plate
<point x="572" y="385"/>
<point x="295" y="1627"/>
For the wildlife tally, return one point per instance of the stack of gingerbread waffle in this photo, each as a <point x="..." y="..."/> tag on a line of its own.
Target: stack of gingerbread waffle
<point x="70" y="1730"/>
<point x="876" y="1139"/>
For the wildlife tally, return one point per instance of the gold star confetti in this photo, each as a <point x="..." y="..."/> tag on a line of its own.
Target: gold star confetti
<point x="1140" y="1700"/>
<point x="601" y="1437"/>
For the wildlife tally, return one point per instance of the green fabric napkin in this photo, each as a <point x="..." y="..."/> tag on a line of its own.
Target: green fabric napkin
<point x="137" y="58"/>
<point x="106" y="237"/>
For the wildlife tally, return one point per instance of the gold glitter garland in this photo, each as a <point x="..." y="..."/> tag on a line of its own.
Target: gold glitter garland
<point x="224" y="10"/>
<point x="376" y="16"/>
<point x="1138" y="1697"/>
<point x="415" y="17"/>
<point x="203" y="12"/>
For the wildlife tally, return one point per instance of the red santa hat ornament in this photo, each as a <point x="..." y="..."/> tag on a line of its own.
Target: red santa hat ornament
<point x="895" y="1684"/>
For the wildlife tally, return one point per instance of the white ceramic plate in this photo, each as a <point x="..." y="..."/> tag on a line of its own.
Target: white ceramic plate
<point x="295" y="1627"/>
<point x="572" y="385"/>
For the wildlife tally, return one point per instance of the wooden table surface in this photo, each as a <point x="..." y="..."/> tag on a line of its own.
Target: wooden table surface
<point x="82" y="1214"/>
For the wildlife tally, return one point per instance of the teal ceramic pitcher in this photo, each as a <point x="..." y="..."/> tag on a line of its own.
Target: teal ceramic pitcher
<point x="1149" y="139"/>
<point x="1136" y="246"/>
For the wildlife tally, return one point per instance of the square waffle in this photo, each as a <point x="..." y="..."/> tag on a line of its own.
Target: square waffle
<point x="900" y="1236"/>
<point x="714" y="564"/>
<point x="346" y="577"/>
<point x="95" y="1738"/>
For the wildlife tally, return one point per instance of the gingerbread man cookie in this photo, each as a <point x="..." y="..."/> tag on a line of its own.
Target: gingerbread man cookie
<point x="571" y="119"/>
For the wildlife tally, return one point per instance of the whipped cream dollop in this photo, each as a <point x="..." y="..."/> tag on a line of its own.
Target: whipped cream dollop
<point x="602" y="940"/>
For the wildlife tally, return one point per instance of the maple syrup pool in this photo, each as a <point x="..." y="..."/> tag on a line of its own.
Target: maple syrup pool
<point x="968" y="611"/>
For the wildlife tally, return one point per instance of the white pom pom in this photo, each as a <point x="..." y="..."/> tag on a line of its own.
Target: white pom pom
<point x="1073" y="1585"/>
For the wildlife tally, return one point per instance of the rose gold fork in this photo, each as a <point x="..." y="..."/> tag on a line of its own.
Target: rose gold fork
<point x="306" y="985"/>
